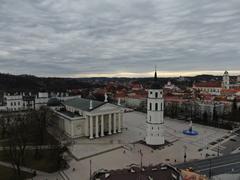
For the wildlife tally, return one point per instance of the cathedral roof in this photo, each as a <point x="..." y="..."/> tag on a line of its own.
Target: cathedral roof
<point x="83" y="104"/>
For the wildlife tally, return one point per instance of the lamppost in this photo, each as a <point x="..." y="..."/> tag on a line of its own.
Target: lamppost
<point x="90" y="171"/>
<point x="141" y="155"/>
<point x="185" y="152"/>
<point x="210" y="168"/>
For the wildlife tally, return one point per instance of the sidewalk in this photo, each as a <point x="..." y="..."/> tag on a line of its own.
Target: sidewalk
<point x="25" y="169"/>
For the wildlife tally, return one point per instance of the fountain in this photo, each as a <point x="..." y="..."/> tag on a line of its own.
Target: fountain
<point x="190" y="131"/>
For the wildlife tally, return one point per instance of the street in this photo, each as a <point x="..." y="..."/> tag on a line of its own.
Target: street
<point x="215" y="166"/>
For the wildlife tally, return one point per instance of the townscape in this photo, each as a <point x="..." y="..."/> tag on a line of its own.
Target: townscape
<point x="119" y="90"/>
<point x="116" y="127"/>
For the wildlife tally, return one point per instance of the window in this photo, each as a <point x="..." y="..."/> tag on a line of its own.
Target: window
<point x="11" y="104"/>
<point x="19" y="103"/>
<point x="156" y="106"/>
<point x="150" y="106"/>
<point x="150" y="92"/>
<point x="156" y="95"/>
<point x="152" y="128"/>
<point x="14" y="103"/>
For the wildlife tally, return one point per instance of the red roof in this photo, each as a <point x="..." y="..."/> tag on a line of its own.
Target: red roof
<point x="214" y="84"/>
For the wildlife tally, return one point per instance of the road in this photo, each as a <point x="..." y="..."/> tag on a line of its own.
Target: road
<point x="215" y="166"/>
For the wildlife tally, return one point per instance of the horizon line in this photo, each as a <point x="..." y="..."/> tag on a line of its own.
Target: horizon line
<point x="164" y="74"/>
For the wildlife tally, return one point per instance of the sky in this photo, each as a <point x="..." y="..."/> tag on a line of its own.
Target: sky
<point x="84" y="38"/>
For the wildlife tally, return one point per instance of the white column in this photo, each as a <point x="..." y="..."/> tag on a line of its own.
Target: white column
<point x="119" y="123"/>
<point x="114" y="123"/>
<point x="109" y="124"/>
<point x="102" y="125"/>
<point x="96" y="127"/>
<point x="91" y="127"/>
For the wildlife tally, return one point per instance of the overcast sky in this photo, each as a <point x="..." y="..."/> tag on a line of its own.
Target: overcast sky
<point x="78" y="38"/>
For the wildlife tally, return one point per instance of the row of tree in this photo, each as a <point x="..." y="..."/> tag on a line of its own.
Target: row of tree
<point x="27" y="131"/>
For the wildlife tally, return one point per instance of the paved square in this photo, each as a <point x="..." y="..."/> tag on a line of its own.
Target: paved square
<point x="118" y="151"/>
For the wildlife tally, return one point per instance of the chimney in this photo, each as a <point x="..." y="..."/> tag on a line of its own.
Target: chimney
<point x="91" y="105"/>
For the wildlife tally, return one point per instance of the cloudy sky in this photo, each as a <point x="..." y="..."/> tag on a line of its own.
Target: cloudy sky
<point x="79" y="38"/>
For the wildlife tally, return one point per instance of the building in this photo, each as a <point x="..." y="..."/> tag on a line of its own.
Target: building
<point x="18" y="102"/>
<point x="24" y="101"/>
<point x="162" y="171"/>
<point x="210" y="109"/>
<point x="213" y="87"/>
<point x="226" y="80"/>
<point x="155" y="109"/>
<point x="79" y="117"/>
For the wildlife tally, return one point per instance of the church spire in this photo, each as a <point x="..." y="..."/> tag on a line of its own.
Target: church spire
<point x="155" y="75"/>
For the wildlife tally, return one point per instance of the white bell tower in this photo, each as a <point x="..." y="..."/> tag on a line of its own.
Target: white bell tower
<point x="155" y="110"/>
<point x="225" y="82"/>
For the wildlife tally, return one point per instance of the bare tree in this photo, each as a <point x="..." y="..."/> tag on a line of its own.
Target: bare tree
<point x="4" y="123"/>
<point x="17" y="142"/>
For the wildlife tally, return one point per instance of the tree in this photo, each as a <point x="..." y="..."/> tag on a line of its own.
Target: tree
<point x="205" y="117"/>
<point x="17" y="141"/>
<point x="4" y="123"/>
<point x="235" y="113"/>
<point x="39" y="120"/>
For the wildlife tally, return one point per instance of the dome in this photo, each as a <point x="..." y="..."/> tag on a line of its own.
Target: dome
<point x="53" y="102"/>
<point x="225" y="73"/>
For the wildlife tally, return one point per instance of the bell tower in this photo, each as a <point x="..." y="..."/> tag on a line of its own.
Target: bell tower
<point x="155" y="110"/>
<point x="225" y="83"/>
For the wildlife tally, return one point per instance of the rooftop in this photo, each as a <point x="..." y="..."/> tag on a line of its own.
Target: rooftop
<point x="134" y="173"/>
<point x="214" y="84"/>
<point x="83" y="104"/>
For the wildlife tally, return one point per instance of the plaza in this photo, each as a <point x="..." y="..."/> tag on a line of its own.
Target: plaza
<point x="121" y="150"/>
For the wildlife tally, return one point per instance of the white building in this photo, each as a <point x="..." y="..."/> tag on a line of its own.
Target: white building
<point x="226" y="80"/>
<point x="19" y="102"/>
<point x="83" y="117"/>
<point x="24" y="101"/>
<point x="213" y="88"/>
<point x="155" y="119"/>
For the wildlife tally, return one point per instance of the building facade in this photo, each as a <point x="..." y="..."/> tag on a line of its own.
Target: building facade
<point x="155" y="118"/>
<point x="24" y="101"/>
<point x="89" y="118"/>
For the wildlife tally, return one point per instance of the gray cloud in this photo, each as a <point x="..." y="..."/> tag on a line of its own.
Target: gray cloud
<point x="78" y="37"/>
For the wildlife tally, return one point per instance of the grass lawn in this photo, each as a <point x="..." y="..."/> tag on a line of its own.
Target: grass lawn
<point x="46" y="163"/>
<point x="9" y="174"/>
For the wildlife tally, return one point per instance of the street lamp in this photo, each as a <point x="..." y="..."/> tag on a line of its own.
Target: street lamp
<point x="185" y="152"/>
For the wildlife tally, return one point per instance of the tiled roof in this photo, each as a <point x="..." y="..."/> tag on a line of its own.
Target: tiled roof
<point x="215" y="84"/>
<point x="83" y="104"/>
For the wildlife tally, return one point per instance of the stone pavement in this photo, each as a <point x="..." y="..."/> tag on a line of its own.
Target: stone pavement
<point x="126" y="152"/>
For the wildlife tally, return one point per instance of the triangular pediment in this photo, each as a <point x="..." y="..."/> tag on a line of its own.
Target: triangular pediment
<point x="107" y="107"/>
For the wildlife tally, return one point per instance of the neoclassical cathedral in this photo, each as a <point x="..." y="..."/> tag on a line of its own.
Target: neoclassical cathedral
<point x="155" y="118"/>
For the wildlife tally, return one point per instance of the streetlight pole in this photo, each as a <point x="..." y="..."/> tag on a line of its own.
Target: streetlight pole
<point x="90" y="171"/>
<point x="185" y="153"/>
<point x="210" y="168"/>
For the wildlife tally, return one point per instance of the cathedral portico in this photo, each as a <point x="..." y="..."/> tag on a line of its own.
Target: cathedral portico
<point x="101" y="118"/>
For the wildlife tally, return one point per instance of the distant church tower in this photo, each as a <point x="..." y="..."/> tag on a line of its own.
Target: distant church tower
<point x="225" y="82"/>
<point x="155" y="109"/>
